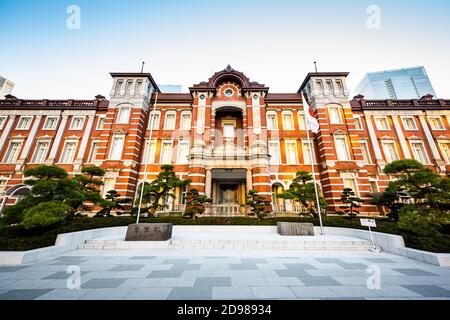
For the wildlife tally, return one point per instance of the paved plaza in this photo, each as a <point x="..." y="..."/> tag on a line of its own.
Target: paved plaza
<point x="225" y="274"/>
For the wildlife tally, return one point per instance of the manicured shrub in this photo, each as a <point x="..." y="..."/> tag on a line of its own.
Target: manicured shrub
<point x="420" y="220"/>
<point x="45" y="214"/>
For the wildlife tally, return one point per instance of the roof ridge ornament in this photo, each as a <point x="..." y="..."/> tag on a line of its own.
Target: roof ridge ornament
<point x="228" y="69"/>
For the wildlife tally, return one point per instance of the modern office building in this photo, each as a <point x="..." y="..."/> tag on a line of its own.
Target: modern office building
<point x="228" y="135"/>
<point x="6" y="87"/>
<point x="408" y="83"/>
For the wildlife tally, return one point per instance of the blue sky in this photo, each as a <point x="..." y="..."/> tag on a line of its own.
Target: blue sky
<point x="184" y="42"/>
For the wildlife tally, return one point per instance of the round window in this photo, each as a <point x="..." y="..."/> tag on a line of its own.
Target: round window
<point x="229" y="92"/>
<point x="202" y="96"/>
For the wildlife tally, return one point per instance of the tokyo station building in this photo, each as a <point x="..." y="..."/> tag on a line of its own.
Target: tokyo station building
<point x="228" y="135"/>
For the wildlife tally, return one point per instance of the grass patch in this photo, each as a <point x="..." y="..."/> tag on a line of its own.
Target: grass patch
<point x="18" y="239"/>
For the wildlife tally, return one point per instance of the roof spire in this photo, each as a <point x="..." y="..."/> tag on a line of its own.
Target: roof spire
<point x="228" y="69"/>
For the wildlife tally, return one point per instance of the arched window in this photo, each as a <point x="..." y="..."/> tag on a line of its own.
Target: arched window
<point x="277" y="189"/>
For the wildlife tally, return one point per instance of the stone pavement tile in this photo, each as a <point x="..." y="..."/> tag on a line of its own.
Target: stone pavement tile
<point x="283" y="281"/>
<point x="313" y="292"/>
<point x="414" y="272"/>
<point x="329" y="260"/>
<point x="232" y="293"/>
<point x="296" y="266"/>
<point x="185" y="267"/>
<point x="379" y="260"/>
<point x="176" y="261"/>
<point x="29" y="294"/>
<point x="352" y="266"/>
<point x="253" y="260"/>
<point x="243" y="266"/>
<point x="64" y="294"/>
<point x="151" y="267"/>
<point x="117" y="274"/>
<point x="143" y="258"/>
<point x="92" y="267"/>
<point x="227" y="273"/>
<point x="53" y="284"/>
<point x="61" y="275"/>
<point x="248" y="281"/>
<point x="354" y="291"/>
<point x="32" y="275"/>
<point x="395" y="291"/>
<point x="165" y="274"/>
<point x="11" y="268"/>
<point x="213" y="282"/>
<point x="127" y="267"/>
<point x="273" y="293"/>
<point x="319" y="281"/>
<point x="103" y="283"/>
<point x="175" y="282"/>
<point x="140" y="283"/>
<point x="292" y="273"/>
<point x="198" y="273"/>
<point x="352" y="281"/>
<point x="260" y="273"/>
<point x="429" y="290"/>
<point x="148" y="294"/>
<point x="23" y="284"/>
<point x="195" y="293"/>
<point x="106" y="294"/>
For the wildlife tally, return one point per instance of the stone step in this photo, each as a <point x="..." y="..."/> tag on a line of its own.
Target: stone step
<point x="358" y="245"/>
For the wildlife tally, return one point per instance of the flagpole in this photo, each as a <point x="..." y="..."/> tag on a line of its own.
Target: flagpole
<point x="152" y="120"/>
<point x="310" y="147"/>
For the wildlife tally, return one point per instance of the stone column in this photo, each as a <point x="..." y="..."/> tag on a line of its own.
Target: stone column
<point x="249" y="181"/>
<point x="434" y="150"/>
<point x="374" y="140"/>
<point x="58" y="138"/>
<point x="208" y="183"/>
<point x="401" y="138"/>
<point x="6" y="131"/>
<point x="30" y="139"/>
<point x="85" y="140"/>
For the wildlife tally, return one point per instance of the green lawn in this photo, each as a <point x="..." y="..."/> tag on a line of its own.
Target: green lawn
<point x="18" y="239"/>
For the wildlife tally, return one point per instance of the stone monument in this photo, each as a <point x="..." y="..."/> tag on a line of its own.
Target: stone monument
<point x="149" y="232"/>
<point x="295" y="229"/>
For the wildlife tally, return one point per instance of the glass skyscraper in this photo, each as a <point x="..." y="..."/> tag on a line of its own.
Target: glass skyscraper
<point x="408" y="83"/>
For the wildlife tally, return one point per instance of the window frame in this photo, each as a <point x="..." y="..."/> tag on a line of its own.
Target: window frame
<point x="383" y="146"/>
<point x="99" y="121"/>
<point x="339" y="110"/>
<point x="346" y="146"/>
<point x="112" y="149"/>
<point x="170" y="113"/>
<point x="40" y="141"/>
<point x="301" y="124"/>
<point x="442" y="150"/>
<point x="180" y="142"/>
<point x="73" y="120"/>
<point x="156" y="123"/>
<point x="274" y="114"/>
<point x="358" y="119"/>
<point x="46" y="127"/>
<point x="28" y="125"/>
<point x="183" y="114"/>
<point x="387" y="123"/>
<point x="119" y="114"/>
<point x="277" y="142"/>
<point x="283" y="114"/>
<point x="366" y="144"/>
<point x="91" y="158"/>
<point x="20" y="141"/>
<point x="152" y="159"/>
<point x="66" y="142"/>
<point x="3" y="122"/>
<point x="294" y="142"/>
<point x="441" y="128"/>
<point x="423" y="150"/>
<point x="416" y="128"/>
<point x="311" y="145"/>
<point x="163" y="142"/>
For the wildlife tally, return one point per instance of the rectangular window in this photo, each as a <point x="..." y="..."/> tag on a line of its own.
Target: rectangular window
<point x="169" y="124"/>
<point x="154" y="118"/>
<point x="373" y="186"/>
<point x="274" y="152"/>
<point x="390" y="151"/>
<point x="2" y="122"/>
<point x="419" y="152"/>
<point x="307" y="148"/>
<point x="128" y="87"/>
<point x="50" y="123"/>
<point x="301" y="122"/>
<point x="341" y="148"/>
<point x="228" y="130"/>
<point x="288" y="123"/>
<point x="41" y="152"/>
<point x="166" y="152"/>
<point x="124" y="115"/>
<point x="108" y="185"/>
<point x="335" y="115"/>
<point x="117" y="147"/>
<point x="445" y="148"/>
<point x="291" y="154"/>
<point x="12" y="154"/>
<point x="101" y="123"/>
<point x="68" y="153"/>
<point x="3" y="183"/>
<point x="94" y="151"/>
<point x="24" y="123"/>
<point x="138" y="87"/>
<point x="365" y="152"/>
<point x="272" y="122"/>
<point x="77" y="123"/>
<point x="350" y="183"/>
<point x="409" y="123"/>
<point x="183" y="152"/>
<point x="185" y="121"/>
<point x="436" y="123"/>
<point x="358" y="123"/>
<point x="151" y="158"/>
<point x="382" y="123"/>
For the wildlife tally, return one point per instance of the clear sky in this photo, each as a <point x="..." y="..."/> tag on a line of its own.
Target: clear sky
<point x="184" y="42"/>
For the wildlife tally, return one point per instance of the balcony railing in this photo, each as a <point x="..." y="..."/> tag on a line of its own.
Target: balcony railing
<point x="225" y="210"/>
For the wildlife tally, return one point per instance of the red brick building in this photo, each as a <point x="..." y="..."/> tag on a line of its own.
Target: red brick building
<point x="228" y="135"/>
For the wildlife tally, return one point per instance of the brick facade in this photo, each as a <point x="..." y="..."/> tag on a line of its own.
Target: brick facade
<point x="228" y="135"/>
